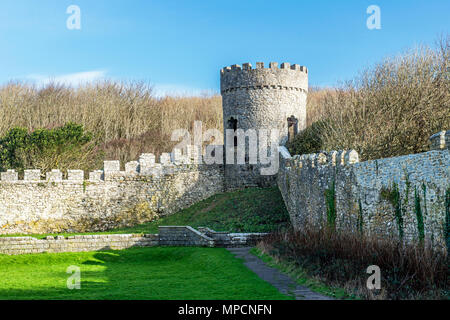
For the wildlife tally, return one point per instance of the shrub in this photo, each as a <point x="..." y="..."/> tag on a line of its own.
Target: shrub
<point x="66" y="147"/>
<point x="408" y="271"/>
<point x="125" y="118"/>
<point x="308" y="140"/>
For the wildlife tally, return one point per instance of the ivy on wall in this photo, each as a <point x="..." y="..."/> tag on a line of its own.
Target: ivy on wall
<point x="360" y="217"/>
<point x="419" y="216"/>
<point x="330" y="198"/>
<point x="447" y="219"/>
<point x="393" y="196"/>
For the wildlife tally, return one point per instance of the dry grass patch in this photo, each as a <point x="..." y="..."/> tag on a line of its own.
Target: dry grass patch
<point x="408" y="271"/>
<point x="125" y="119"/>
<point x="389" y="109"/>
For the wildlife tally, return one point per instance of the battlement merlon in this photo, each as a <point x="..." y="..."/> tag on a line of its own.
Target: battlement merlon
<point x="440" y="140"/>
<point x="324" y="158"/>
<point x="146" y="165"/>
<point x="260" y="66"/>
<point x="278" y="77"/>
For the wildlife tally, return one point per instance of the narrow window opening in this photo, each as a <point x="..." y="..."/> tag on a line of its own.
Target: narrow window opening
<point x="292" y="127"/>
<point x="232" y="124"/>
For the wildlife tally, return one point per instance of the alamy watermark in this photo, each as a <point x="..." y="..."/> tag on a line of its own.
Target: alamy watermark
<point x="252" y="146"/>
<point x="374" y="281"/>
<point x="73" y="22"/>
<point x="74" y="281"/>
<point x="374" y="20"/>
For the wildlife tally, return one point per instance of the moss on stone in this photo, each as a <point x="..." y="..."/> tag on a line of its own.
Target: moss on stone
<point x="330" y="198"/>
<point x="447" y="219"/>
<point x="393" y="196"/>
<point x="419" y="216"/>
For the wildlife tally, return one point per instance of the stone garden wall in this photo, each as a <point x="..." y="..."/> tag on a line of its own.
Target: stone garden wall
<point x="108" y="198"/>
<point x="168" y="236"/>
<point x="26" y="245"/>
<point x="401" y="196"/>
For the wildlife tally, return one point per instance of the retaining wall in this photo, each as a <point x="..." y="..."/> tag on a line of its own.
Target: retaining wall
<point x="168" y="236"/>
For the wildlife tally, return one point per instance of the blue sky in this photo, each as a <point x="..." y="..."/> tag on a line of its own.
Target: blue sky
<point x="180" y="46"/>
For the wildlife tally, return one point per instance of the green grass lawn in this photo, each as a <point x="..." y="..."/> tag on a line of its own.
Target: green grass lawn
<point x="247" y="210"/>
<point x="138" y="273"/>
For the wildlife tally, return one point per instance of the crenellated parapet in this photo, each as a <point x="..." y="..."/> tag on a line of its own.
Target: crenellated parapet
<point x="35" y="175"/>
<point x="146" y="165"/>
<point x="284" y="77"/>
<point x="321" y="159"/>
<point x="440" y="140"/>
<point x="119" y="195"/>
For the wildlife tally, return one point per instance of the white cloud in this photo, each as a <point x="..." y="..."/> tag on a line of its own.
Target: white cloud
<point x="71" y="79"/>
<point x="80" y="78"/>
<point x="161" y="90"/>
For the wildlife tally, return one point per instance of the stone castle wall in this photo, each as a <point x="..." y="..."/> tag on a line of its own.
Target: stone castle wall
<point x="363" y="191"/>
<point x="109" y="198"/>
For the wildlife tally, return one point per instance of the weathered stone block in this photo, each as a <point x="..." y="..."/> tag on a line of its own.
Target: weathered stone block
<point x="111" y="166"/>
<point x="440" y="140"/>
<point x="146" y="163"/>
<point x="176" y="156"/>
<point x="96" y="175"/>
<point x="9" y="175"/>
<point x="75" y="175"/>
<point x="54" y="175"/>
<point x="165" y="159"/>
<point x="32" y="175"/>
<point x="132" y="167"/>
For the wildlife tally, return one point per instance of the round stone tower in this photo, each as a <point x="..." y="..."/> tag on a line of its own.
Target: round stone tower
<point x="262" y="98"/>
